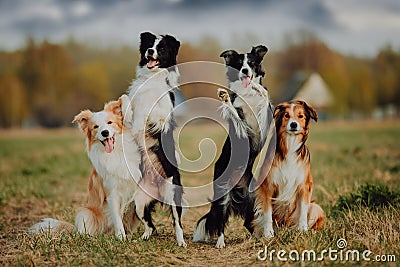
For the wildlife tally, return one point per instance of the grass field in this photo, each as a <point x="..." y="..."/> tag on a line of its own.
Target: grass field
<point x="44" y="174"/>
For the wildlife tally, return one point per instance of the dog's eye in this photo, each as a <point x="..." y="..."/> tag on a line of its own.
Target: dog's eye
<point x="301" y="116"/>
<point x="287" y="116"/>
<point x="96" y="126"/>
<point x="109" y="122"/>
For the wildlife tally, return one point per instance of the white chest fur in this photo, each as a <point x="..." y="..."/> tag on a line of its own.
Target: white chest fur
<point x="150" y="100"/>
<point x="290" y="172"/>
<point x="120" y="168"/>
<point x="254" y="102"/>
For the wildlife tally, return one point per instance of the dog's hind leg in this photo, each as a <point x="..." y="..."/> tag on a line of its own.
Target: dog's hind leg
<point x="213" y="223"/>
<point x="173" y="196"/>
<point x="149" y="208"/>
<point x="248" y="219"/>
<point x="130" y="220"/>
<point x="142" y="202"/>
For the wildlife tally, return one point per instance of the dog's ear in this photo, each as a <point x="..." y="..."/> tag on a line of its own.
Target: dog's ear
<point x="173" y="43"/>
<point x="229" y="55"/>
<point x="259" y="51"/>
<point x="279" y="108"/>
<point x="310" y="110"/>
<point x="146" y="40"/>
<point x="114" y="107"/>
<point x="82" y="119"/>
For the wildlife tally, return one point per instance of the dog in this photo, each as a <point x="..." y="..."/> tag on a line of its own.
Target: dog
<point x="246" y="109"/>
<point x="153" y="100"/>
<point x="116" y="173"/>
<point x="284" y="196"/>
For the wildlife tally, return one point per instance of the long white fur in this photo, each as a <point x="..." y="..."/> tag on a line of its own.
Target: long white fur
<point x="290" y="173"/>
<point x="254" y="102"/>
<point x="120" y="172"/>
<point x="46" y="225"/>
<point x="151" y="103"/>
<point x="200" y="232"/>
<point x="149" y="95"/>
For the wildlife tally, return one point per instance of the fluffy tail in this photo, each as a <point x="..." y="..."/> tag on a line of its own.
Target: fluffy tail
<point x="49" y="225"/>
<point x="92" y="221"/>
<point x="316" y="216"/>
<point x="200" y="233"/>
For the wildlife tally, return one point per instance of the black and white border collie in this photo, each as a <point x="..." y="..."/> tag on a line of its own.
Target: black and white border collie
<point x="152" y="102"/>
<point x="247" y="108"/>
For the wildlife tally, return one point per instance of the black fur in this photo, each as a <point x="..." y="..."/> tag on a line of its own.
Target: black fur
<point x="167" y="50"/>
<point x="147" y="214"/>
<point x="234" y="60"/>
<point x="238" y="201"/>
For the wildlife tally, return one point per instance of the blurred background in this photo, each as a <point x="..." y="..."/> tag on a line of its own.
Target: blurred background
<point x="59" y="57"/>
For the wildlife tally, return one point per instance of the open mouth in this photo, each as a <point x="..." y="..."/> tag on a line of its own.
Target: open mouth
<point x="246" y="80"/>
<point x="152" y="62"/>
<point x="108" y="144"/>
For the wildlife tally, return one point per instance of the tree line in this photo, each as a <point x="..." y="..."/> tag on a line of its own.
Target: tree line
<point x="45" y="84"/>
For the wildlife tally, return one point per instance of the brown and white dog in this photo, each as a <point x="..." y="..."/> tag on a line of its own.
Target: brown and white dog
<point x="114" y="180"/>
<point x="284" y="197"/>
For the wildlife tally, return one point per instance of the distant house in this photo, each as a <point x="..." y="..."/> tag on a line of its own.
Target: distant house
<point x="311" y="88"/>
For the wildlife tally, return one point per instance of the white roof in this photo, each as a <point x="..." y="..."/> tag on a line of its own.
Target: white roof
<point x="315" y="92"/>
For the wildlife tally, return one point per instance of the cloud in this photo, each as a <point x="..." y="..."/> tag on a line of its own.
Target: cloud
<point x="349" y="26"/>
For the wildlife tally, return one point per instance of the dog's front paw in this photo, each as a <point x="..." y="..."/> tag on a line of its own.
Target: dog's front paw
<point x="147" y="234"/>
<point x="223" y="95"/>
<point x="303" y="227"/>
<point x="220" y="242"/>
<point x="269" y="232"/>
<point x="182" y="243"/>
<point x="121" y="236"/>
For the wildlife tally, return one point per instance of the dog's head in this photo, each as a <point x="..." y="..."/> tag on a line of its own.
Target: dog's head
<point x="294" y="118"/>
<point x="245" y="67"/>
<point x="102" y="126"/>
<point x="158" y="51"/>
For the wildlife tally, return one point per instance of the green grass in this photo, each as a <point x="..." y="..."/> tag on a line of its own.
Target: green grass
<point x="44" y="174"/>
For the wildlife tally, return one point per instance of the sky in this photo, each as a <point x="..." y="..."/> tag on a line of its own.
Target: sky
<point x="359" y="27"/>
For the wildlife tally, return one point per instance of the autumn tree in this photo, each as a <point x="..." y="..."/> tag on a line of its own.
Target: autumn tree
<point x="386" y="68"/>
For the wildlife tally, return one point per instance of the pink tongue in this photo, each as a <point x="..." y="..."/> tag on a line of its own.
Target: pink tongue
<point x="109" y="144"/>
<point x="152" y="63"/>
<point x="245" y="82"/>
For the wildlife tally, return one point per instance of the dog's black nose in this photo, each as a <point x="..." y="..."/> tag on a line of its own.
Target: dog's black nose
<point x="105" y="133"/>
<point x="150" y="51"/>
<point x="293" y="125"/>
<point x="245" y="71"/>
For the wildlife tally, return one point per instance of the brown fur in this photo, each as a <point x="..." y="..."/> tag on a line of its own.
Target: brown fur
<point x="288" y="213"/>
<point x="95" y="209"/>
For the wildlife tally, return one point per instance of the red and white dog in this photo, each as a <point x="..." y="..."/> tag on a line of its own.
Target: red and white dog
<point x="114" y="180"/>
<point x="284" y="197"/>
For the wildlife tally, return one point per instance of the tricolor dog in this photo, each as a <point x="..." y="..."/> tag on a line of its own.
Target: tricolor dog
<point x="284" y="197"/>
